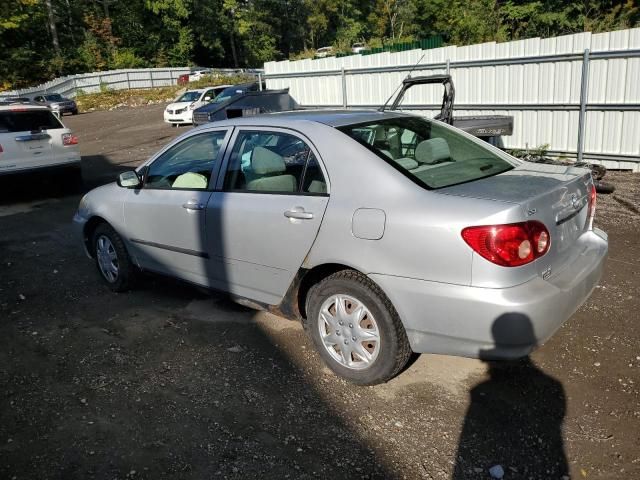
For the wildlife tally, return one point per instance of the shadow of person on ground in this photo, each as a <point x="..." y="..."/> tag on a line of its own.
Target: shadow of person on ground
<point x="514" y="420"/>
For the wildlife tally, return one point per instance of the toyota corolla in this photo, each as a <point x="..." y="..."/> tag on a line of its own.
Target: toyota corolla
<point x="384" y="233"/>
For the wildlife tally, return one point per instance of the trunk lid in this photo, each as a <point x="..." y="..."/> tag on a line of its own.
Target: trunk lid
<point x="556" y="195"/>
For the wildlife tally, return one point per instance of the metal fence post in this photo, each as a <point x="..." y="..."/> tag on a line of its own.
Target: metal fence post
<point x="260" y="81"/>
<point x="75" y="86"/>
<point x="344" y="88"/>
<point x="448" y="65"/>
<point x="584" y="93"/>
<point x="128" y="81"/>
<point x="151" y="75"/>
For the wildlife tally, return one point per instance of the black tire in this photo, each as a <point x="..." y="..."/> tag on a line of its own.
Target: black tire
<point x="605" y="188"/>
<point x="74" y="112"/>
<point x="394" y="350"/>
<point x="124" y="279"/>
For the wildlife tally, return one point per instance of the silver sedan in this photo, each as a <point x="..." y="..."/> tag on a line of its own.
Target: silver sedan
<point x="384" y="233"/>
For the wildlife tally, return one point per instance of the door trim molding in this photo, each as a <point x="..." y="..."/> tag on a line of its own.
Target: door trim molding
<point x="186" y="251"/>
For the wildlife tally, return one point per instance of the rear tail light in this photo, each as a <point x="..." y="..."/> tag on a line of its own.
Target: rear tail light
<point x="592" y="205"/>
<point x="69" y="139"/>
<point x="509" y="245"/>
<point x="1" y="149"/>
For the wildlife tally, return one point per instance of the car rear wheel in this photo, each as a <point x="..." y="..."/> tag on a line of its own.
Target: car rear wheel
<point x="356" y="329"/>
<point x="112" y="259"/>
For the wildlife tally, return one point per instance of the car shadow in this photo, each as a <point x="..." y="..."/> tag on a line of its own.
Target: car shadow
<point x="96" y="170"/>
<point x="169" y="381"/>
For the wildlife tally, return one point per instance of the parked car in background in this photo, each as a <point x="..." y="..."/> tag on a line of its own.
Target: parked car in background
<point x="196" y="75"/>
<point x="183" y="79"/>
<point x="14" y="100"/>
<point x="358" y="47"/>
<point x="33" y="138"/>
<point x="385" y="233"/>
<point x="244" y="100"/>
<point x="324" y="52"/>
<point x="180" y="112"/>
<point x="57" y="103"/>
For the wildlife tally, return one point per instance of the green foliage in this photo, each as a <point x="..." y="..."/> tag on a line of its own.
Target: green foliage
<point x="126" y="58"/>
<point x="246" y="33"/>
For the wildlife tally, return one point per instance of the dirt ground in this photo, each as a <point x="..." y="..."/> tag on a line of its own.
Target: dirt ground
<point x="167" y="381"/>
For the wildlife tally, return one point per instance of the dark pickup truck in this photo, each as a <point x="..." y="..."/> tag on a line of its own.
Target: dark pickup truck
<point x="488" y="127"/>
<point x="242" y="101"/>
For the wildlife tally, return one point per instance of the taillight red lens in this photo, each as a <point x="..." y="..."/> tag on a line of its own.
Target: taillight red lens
<point x="592" y="205"/>
<point x="69" y="139"/>
<point x="509" y="245"/>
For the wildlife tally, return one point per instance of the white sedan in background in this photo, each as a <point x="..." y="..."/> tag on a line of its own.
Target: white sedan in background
<point x="180" y="112"/>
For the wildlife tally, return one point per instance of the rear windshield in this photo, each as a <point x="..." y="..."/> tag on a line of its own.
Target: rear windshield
<point x="429" y="153"/>
<point x="28" y="121"/>
<point x="54" y="97"/>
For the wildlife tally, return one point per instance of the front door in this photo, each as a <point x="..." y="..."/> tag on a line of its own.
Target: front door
<point x="165" y="218"/>
<point x="265" y="217"/>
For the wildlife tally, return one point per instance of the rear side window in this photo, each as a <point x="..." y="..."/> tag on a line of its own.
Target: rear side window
<point x="273" y="162"/>
<point x="28" y="121"/>
<point x="429" y="153"/>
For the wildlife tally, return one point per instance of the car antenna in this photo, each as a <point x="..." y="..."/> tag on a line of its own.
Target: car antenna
<point x="383" y="107"/>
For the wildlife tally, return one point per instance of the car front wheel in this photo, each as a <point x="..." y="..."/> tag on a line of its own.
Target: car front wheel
<point x="356" y="329"/>
<point x="112" y="259"/>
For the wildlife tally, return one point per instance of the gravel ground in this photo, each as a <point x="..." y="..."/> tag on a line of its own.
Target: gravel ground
<point x="167" y="381"/>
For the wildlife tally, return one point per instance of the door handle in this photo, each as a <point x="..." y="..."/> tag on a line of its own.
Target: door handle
<point x="298" y="213"/>
<point x="193" y="205"/>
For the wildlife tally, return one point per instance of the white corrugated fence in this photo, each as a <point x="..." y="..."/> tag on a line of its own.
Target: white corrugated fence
<point x="554" y="88"/>
<point x="70" y="85"/>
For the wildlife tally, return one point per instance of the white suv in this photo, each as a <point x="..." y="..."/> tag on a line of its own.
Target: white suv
<point x="33" y="138"/>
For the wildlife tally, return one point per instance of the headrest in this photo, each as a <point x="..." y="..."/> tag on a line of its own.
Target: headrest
<point x="264" y="162"/>
<point x="432" y="151"/>
<point x="380" y="134"/>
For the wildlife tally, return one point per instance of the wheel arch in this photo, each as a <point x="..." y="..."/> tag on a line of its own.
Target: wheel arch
<point x="293" y="304"/>
<point x="89" y="229"/>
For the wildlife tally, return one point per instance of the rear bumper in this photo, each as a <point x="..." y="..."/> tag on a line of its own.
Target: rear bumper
<point x="44" y="167"/>
<point x="494" y="323"/>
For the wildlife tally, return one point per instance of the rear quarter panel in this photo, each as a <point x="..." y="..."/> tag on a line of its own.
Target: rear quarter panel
<point x="422" y="232"/>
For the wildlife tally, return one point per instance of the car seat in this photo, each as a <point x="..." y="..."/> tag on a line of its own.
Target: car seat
<point x="268" y="172"/>
<point x="190" y="180"/>
<point x="434" y="150"/>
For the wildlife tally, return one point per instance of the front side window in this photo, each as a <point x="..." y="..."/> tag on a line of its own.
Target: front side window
<point x="429" y="153"/>
<point x="188" y="165"/>
<point x="273" y="162"/>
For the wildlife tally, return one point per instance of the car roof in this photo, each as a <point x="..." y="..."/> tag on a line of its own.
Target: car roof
<point x="338" y="117"/>
<point x="332" y="118"/>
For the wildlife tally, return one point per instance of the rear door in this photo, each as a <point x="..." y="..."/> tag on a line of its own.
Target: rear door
<point x="265" y="218"/>
<point x="26" y="136"/>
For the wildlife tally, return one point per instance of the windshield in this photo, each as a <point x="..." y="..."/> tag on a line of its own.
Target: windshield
<point x="228" y="93"/>
<point x="189" y="97"/>
<point x="431" y="154"/>
<point x="55" y="97"/>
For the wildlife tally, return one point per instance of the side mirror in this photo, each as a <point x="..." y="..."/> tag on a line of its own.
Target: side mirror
<point x="129" y="179"/>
